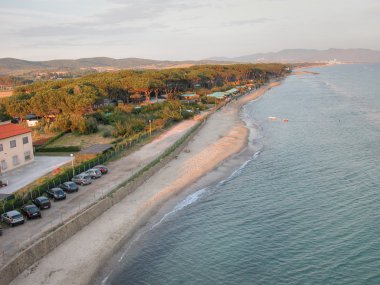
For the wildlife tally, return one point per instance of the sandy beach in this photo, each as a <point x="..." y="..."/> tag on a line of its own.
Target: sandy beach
<point x="78" y="259"/>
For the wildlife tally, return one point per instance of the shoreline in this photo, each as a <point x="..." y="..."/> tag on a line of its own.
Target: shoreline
<point x="78" y="259"/>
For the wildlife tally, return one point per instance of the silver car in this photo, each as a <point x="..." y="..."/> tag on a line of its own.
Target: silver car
<point x="13" y="218"/>
<point x="82" y="179"/>
<point x="94" y="173"/>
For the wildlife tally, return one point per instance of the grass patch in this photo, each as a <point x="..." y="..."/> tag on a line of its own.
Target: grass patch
<point x="84" y="141"/>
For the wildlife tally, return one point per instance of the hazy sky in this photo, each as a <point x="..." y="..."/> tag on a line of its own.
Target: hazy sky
<point x="182" y="29"/>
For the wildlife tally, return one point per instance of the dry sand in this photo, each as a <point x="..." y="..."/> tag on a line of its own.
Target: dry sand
<point x="303" y="72"/>
<point x="79" y="258"/>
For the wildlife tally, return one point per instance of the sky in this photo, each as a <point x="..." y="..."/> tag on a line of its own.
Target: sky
<point x="182" y="29"/>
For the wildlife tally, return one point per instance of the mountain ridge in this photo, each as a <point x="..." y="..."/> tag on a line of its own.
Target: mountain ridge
<point x="358" y="55"/>
<point x="13" y="66"/>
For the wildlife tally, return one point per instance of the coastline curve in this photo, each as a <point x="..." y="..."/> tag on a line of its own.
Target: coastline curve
<point x="140" y="209"/>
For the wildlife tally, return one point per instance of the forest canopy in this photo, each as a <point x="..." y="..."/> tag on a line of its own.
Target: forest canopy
<point x="70" y="100"/>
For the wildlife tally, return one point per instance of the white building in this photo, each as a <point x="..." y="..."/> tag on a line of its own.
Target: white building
<point x="16" y="148"/>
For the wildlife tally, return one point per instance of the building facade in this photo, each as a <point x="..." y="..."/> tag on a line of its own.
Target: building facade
<point x="16" y="148"/>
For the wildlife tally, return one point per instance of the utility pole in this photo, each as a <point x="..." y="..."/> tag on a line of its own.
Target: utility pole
<point x="72" y="163"/>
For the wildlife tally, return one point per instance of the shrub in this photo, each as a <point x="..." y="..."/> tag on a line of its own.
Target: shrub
<point x="59" y="149"/>
<point x="172" y="110"/>
<point x="186" y="114"/>
<point x="83" y="125"/>
<point x="106" y="133"/>
<point x="129" y="127"/>
<point x="91" y="125"/>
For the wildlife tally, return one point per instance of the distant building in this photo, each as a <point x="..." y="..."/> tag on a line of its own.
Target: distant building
<point x="16" y="147"/>
<point x="218" y="96"/>
<point x="231" y="92"/>
<point x="31" y="120"/>
<point x="32" y="123"/>
<point x="190" y="97"/>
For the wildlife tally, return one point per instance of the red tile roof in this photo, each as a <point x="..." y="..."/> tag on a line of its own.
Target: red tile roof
<point x="10" y="130"/>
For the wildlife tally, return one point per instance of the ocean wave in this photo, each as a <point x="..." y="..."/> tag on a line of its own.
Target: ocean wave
<point x="238" y="171"/>
<point x="190" y="199"/>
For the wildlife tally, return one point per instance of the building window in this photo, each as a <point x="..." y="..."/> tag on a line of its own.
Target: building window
<point x="15" y="160"/>
<point x="12" y="143"/>
<point x="1" y="147"/>
<point x="3" y="165"/>
<point x="27" y="155"/>
<point x="25" y="140"/>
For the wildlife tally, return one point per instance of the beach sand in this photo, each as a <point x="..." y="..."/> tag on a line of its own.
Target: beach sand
<point x="78" y="260"/>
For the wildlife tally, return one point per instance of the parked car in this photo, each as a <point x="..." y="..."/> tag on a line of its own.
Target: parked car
<point x="69" y="187"/>
<point x="42" y="202"/>
<point x="31" y="211"/>
<point x="94" y="173"/>
<point x="82" y="179"/>
<point x="12" y="218"/>
<point x="56" y="194"/>
<point x="103" y="169"/>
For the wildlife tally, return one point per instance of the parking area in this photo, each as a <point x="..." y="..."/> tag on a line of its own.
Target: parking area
<point x="24" y="175"/>
<point x="17" y="238"/>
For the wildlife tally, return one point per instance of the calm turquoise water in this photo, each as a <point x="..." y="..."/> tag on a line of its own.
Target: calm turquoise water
<point x="304" y="210"/>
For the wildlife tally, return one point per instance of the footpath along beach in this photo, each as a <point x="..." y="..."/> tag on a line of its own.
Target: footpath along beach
<point x="78" y="259"/>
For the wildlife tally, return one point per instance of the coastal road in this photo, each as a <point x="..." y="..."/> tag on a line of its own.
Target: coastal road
<point x="15" y="239"/>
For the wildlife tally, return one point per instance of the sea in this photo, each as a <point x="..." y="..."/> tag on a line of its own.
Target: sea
<point x="303" y="208"/>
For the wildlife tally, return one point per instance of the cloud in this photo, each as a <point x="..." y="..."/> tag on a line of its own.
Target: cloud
<point x="250" y="22"/>
<point x="122" y="17"/>
<point x="74" y="42"/>
<point x="70" y="30"/>
<point x="28" y="13"/>
<point x="130" y="10"/>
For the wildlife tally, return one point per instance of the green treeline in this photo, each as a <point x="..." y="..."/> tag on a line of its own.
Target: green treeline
<point x="74" y="103"/>
<point x="13" y="81"/>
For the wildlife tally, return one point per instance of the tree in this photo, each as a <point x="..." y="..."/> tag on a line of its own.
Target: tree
<point x="172" y="110"/>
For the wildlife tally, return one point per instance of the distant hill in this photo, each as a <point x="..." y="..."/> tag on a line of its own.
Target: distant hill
<point x="13" y="66"/>
<point x="310" y="55"/>
<point x="17" y="66"/>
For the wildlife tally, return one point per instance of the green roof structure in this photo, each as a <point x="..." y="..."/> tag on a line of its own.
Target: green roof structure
<point x="231" y="91"/>
<point x="218" y="95"/>
<point x="189" y="95"/>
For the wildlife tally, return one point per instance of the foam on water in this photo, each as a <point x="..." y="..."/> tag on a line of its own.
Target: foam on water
<point x="190" y="199"/>
<point x="238" y="171"/>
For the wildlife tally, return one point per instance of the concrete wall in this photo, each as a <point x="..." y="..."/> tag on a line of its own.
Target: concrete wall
<point x="48" y="243"/>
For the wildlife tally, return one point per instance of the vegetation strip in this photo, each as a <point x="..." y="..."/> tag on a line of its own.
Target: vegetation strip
<point x="74" y="104"/>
